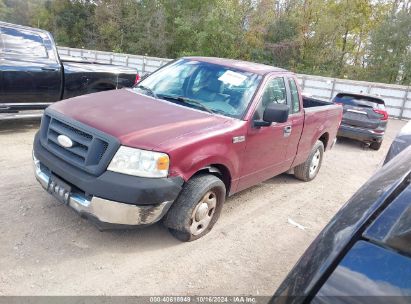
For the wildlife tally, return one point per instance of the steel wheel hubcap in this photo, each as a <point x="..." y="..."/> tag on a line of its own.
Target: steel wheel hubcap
<point x="315" y="162"/>
<point x="203" y="213"/>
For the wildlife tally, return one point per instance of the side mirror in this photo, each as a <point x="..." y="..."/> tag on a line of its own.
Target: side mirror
<point x="273" y="113"/>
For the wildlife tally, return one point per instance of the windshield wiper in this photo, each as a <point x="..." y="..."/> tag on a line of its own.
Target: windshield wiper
<point x="147" y="89"/>
<point x="187" y="100"/>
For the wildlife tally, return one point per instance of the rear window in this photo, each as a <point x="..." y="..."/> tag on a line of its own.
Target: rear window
<point x="360" y="101"/>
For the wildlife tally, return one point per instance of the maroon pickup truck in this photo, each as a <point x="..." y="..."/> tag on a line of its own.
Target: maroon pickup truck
<point x="181" y="141"/>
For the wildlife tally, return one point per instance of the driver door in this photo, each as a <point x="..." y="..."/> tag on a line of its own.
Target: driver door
<point x="266" y="147"/>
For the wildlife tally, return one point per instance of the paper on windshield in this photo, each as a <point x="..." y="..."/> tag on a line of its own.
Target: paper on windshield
<point x="232" y="78"/>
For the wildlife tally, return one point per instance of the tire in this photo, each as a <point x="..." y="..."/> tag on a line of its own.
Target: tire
<point x="197" y="208"/>
<point x="376" y="145"/>
<point x="308" y="170"/>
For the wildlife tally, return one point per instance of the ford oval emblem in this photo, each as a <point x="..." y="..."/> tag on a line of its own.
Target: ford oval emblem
<point x="65" y="141"/>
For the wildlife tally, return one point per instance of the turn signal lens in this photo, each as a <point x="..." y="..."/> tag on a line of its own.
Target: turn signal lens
<point x="163" y="162"/>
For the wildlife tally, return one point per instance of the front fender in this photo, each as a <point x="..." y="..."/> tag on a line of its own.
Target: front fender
<point x="193" y="159"/>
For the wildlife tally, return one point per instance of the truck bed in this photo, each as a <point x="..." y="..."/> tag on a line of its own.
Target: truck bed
<point x="319" y="116"/>
<point x="309" y="102"/>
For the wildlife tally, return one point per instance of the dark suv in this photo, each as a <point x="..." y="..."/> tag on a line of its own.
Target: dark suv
<point x="364" y="118"/>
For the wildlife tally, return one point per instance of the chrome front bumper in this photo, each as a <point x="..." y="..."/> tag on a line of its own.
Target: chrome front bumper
<point x="102" y="210"/>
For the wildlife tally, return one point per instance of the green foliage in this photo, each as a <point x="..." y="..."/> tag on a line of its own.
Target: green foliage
<point x="390" y="50"/>
<point x="357" y="39"/>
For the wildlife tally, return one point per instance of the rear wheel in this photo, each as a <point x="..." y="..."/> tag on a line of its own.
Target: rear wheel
<point x="308" y="170"/>
<point x="197" y="208"/>
<point x="376" y="145"/>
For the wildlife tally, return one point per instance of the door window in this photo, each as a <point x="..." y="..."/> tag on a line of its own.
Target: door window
<point x="274" y="92"/>
<point x="21" y="42"/>
<point x="295" y="100"/>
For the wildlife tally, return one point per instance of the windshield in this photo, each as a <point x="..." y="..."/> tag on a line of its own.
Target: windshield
<point x="202" y="85"/>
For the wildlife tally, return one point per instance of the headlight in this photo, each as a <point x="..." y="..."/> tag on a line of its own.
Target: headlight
<point x="140" y="162"/>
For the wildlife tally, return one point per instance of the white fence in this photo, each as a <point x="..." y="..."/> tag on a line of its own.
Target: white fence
<point x="397" y="98"/>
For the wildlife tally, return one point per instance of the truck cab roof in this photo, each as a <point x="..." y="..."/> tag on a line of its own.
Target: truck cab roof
<point x="257" y="68"/>
<point x="24" y="27"/>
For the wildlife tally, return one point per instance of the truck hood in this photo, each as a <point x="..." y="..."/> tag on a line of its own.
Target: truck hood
<point x="137" y="120"/>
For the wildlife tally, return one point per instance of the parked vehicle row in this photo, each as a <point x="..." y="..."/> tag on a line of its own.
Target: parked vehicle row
<point x="175" y="146"/>
<point x="33" y="76"/>
<point x="180" y="141"/>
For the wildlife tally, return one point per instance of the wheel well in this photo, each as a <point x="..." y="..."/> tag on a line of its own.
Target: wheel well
<point x="324" y="139"/>
<point x="221" y="172"/>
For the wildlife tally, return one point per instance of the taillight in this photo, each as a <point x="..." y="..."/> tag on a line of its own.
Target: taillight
<point x="383" y="113"/>
<point x="137" y="79"/>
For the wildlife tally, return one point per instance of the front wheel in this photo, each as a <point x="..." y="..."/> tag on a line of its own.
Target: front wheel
<point x="308" y="170"/>
<point x="197" y="208"/>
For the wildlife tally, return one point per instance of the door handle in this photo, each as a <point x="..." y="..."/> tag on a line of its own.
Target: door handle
<point x="287" y="131"/>
<point x="49" y="69"/>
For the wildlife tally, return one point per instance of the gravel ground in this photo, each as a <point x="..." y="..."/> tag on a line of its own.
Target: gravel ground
<point x="47" y="249"/>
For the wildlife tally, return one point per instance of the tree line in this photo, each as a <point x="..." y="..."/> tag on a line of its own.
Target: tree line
<point x="356" y="39"/>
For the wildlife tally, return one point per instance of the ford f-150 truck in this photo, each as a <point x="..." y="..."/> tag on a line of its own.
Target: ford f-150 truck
<point x="33" y="76"/>
<point x="177" y="144"/>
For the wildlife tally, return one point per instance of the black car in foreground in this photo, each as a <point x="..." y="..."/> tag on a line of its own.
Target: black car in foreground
<point x="364" y="118"/>
<point x="364" y="254"/>
<point x="33" y="76"/>
<point x="400" y="142"/>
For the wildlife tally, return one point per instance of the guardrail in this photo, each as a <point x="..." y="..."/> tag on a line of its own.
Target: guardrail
<point x="397" y="98"/>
